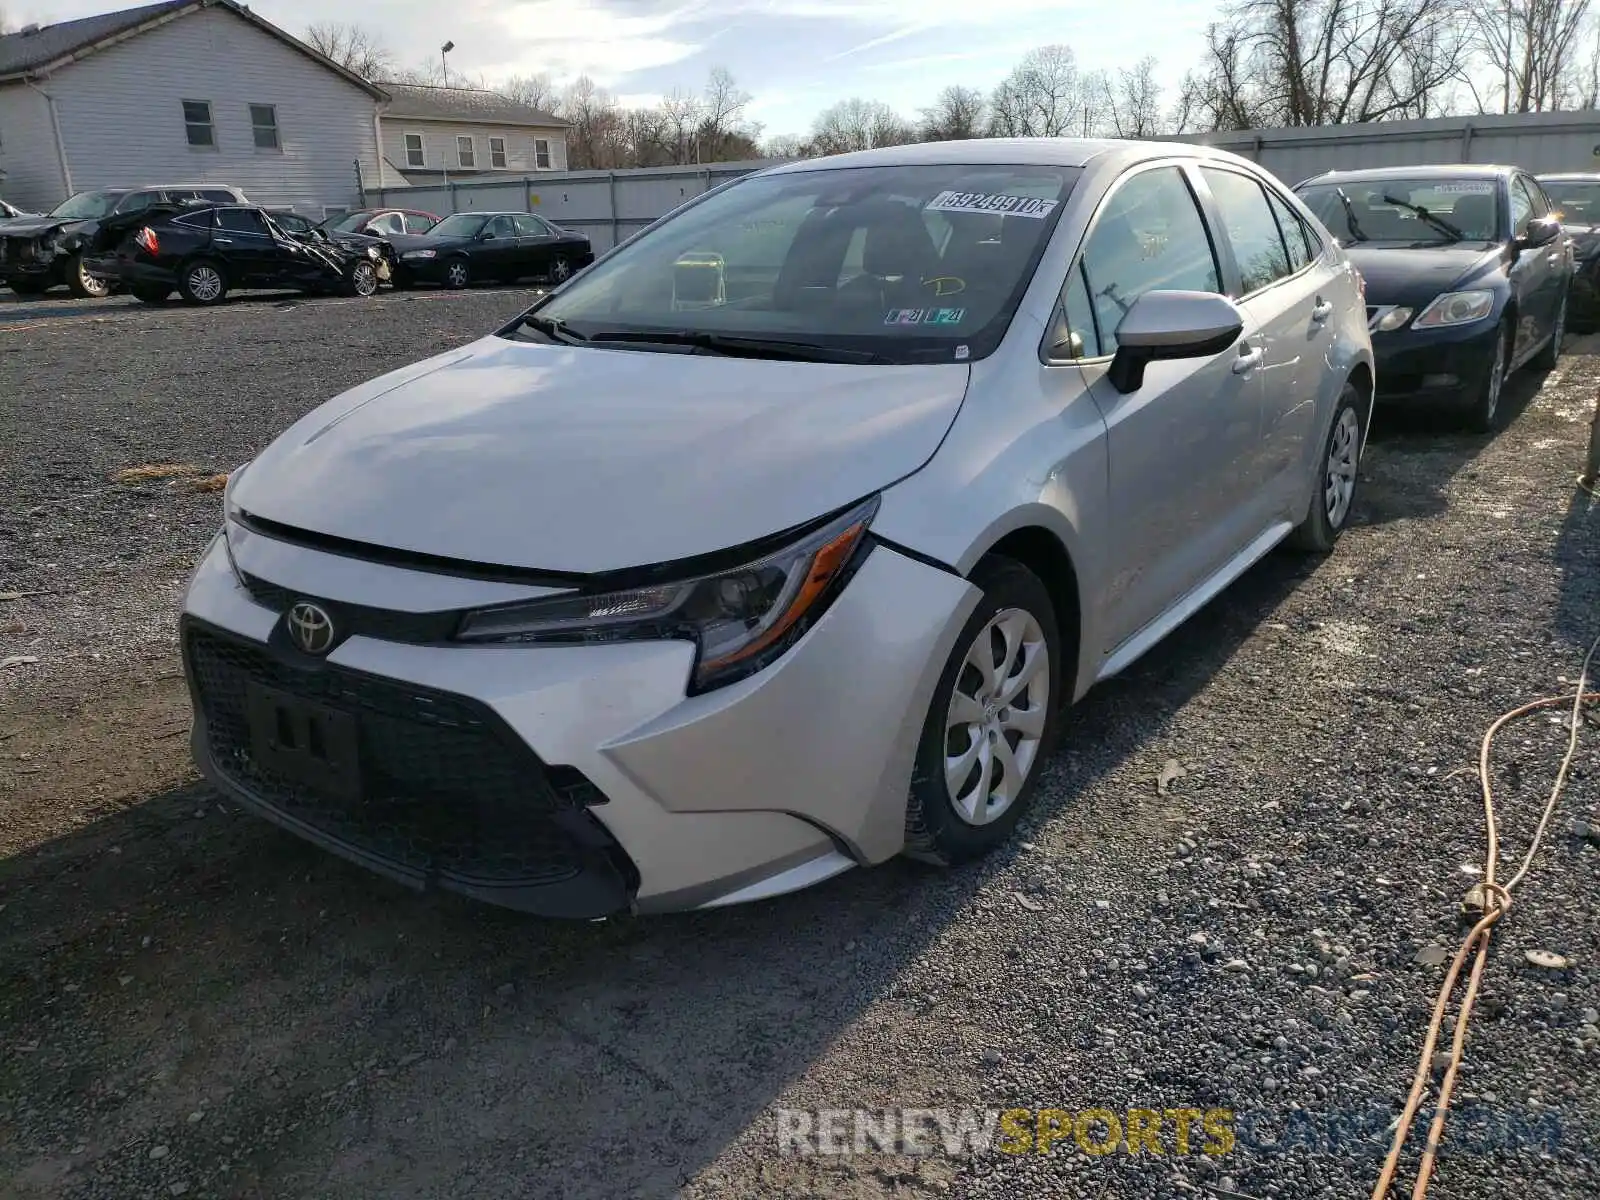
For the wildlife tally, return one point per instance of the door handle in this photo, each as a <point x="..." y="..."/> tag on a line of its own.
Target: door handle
<point x="1323" y="310"/>
<point x="1248" y="359"/>
<point x="223" y="241"/>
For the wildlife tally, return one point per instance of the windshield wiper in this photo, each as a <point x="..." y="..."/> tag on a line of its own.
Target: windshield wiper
<point x="741" y="347"/>
<point x="554" y="328"/>
<point x="1439" y="223"/>
<point x="1350" y="216"/>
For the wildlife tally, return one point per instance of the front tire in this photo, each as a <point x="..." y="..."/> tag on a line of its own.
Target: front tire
<point x="203" y="282"/>
<point x="560" y="270"/>
<point x="991" y="723"/>
<point x="82" y="284"/>
<point x="457" y="274"/>
<point x="362" y="278"/>
<point x="1485" y="410"/>
<point x="1547" y="358"/>
<point x="1340" y="467"/>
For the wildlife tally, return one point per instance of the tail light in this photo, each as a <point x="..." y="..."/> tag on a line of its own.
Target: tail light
<point x="147" y="241"/>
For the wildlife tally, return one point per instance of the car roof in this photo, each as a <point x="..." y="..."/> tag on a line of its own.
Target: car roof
<point x="1427" y="171"/>
<point x="1570" y="177"/>
<point x="977" y="152"/>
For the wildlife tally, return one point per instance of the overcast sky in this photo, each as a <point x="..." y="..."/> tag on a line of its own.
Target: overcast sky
<point x="794" y="56"/>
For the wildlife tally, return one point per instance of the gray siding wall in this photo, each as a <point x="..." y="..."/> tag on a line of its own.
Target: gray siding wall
<point x="439" y="145"/>
<point x="1537" y="142"/>
<point x="121" y="114"/>
<point x="28" y="150"/>
<point x="608" y="206"/>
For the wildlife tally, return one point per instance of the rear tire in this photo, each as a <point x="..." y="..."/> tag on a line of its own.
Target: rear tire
<point x="82" y="284"/>
<point x="1485" y="410"/>
<point x="1338" y="470"/>
<point x="957" y="813"/>
<point x="203" y="282"/>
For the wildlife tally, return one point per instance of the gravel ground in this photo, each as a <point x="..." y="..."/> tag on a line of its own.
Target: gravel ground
<point x="192" y="1003"/>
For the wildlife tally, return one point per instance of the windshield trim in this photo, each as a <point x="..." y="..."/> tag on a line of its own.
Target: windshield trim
<point x="894" y="350"/>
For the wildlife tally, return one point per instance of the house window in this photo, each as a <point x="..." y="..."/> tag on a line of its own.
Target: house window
<point x="197" y="123"/>
<point x="465" y="153"/>
<point x="497" y="152"/>
<point x="414" y="150"/>
<point x="541" y="154"/>
<point x="264" y="124"/>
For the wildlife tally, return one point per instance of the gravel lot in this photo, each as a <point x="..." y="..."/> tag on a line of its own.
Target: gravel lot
<point x="192" y="1003"/>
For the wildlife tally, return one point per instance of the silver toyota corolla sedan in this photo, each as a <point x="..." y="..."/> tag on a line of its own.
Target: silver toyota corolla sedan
<point x="777" y="541"/>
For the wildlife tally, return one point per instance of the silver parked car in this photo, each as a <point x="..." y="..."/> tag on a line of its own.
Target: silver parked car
<point x="778" y="541"/>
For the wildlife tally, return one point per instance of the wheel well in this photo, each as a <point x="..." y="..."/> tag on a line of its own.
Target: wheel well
<point x="1042" y="553"/>
<point x="1362" y="378"/>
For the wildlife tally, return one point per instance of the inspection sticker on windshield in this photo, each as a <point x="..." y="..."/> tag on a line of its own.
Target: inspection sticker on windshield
<point x="1009" y="206"/>
<point x="1463" y="187"/>
<point x="925" y="316"/>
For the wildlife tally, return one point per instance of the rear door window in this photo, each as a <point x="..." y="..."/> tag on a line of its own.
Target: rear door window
<point x="1257" y="243"/>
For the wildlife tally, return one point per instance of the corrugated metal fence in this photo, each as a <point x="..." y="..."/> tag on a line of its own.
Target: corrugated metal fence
<point x="1537" y="142"/>
<point x="608" y="206"/>
<point x="611" y="206"/>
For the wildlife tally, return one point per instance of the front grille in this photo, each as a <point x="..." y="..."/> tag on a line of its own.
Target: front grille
<point x="447" y="793"/>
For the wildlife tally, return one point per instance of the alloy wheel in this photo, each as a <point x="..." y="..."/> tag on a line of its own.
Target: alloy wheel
<point x="997" y="715"/>
<point x="560" y="270"/>
<point x="1497" y="379"/>
<point x="205" y="283"/>
<point x="456" y="273"/>
<point x="1344" y="451"/>
<point x="364" y="279"/>
<point x="92" y="285"/>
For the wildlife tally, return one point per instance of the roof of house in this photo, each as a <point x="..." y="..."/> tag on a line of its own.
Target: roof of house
<point x="423" y="102"/>
<point x="51" y="47"/>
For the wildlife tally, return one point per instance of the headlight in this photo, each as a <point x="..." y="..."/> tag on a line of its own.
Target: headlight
<point x="419" y="254"/>
<point x="1393" y="319"/>
<point x="740" y="619"/>
<point x="1456" y="308"/>
<point x="372" y="252"/>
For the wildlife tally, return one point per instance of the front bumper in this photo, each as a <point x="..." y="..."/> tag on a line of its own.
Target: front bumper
<point x="581" y="781"/>
<point x="1434" y="366"/>
<point x="420" y="270"/>
<point x="22" y="261"/>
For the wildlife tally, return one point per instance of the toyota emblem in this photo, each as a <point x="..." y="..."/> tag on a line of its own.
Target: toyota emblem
<point x="310" y="628"/>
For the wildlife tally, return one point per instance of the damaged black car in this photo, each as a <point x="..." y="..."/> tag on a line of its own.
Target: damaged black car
<point x="205" y="251"/>
<point x="39" y="253"/>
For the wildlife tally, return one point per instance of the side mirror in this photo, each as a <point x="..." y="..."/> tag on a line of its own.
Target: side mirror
<point x="1170" y="325"/>
<point x="1541" y="232"/>
<point x="486" y="236"/>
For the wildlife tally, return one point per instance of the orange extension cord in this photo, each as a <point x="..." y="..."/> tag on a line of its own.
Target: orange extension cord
<point x="1495" y="899"/>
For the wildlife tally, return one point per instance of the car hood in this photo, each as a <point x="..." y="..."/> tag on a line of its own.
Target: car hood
<point x="32" y="227"/>
<point x="571" y="459"/>
<point x="1403" y="274"/>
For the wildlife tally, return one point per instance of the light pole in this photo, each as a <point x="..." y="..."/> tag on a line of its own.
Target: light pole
<point x="444" y="79"/>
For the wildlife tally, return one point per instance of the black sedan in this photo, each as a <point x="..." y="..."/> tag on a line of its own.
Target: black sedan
<point x="1466" y="274"/>
<point x="1576" y="198"/>
<point x="476" y="247"/>
<point x="204" y="251"/>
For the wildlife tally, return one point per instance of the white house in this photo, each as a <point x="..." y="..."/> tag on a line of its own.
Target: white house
<point x="434" y="133"/>
<point x="188" y="90"/>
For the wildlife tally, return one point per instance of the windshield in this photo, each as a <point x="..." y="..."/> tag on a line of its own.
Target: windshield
<point x="87" y="206"/>
<point x="1412" y="211"/>
<point x="1576" y="201"/>
<point x="907" y="263"/>
<point x="461" y="225"/>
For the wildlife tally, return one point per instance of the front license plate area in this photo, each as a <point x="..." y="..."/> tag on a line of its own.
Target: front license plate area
<point x="311" y="744"/>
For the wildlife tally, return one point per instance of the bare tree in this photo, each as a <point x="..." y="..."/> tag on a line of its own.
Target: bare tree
<point x="956" y="114"/>
<point x="787" y="145"/>
<point x="1328" y="62"/>
<point x="680" y="114"/>
<point x="1044" y="96"/>
<point x="725" y="132"/>
<point x="857" y="124"/>
<point x="536" y="91"/>
<point x="351" y="46"/>
<point x="1135" y="101"/>
<point x="1532" y="45"/>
